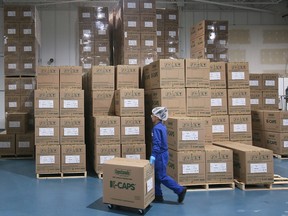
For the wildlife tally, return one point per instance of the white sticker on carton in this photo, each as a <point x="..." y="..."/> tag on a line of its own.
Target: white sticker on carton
<point x="27" y="31"/>
<point x="101" y="32"/>
<point x="27" y="48"/>
<point x="71" y="131"/>
<point x="87" y="49"/>
<point x="24" y="144"/>
<point x="210" y="56"/>
<point x="222" y="42"/>
<point x="132" y="24"/>
<point x="222" y="27"/>
<point x="85" y="15"/>
<point x="148" y="24"/>
<point x="87" y="66"/>
<point x="47" y="159"/>
<point x="148" y="5"/>
<point x="253" y="82"/>
<point x="133" y="156"/>
<point x="218" y="167"/>
<point x="285" y="144"/>
<point x="11" y="48"/>
<point x="70" y="104"/>
<point x="105" y="158"/>
<point x="210" y="27"/>
<point x="132" y="42"/>
<point x="86" y="32"/>
<point x="149" y="43"/>
<point x="149" y="185"/>
<point x="254" y="101"/>
<point x="133" y="61"/>
<point x="215" y="102"/>
<point x="12" y="104"/>
<point x="172" y="17"/>
<point x="237" y="75"/>
<point x="11" y="13"/>
<point x="131" y="5"/>
<point x="11" y="31"/>
<point x="159" y="49"/>
<point x="270" y="101"/>
<point x="189" y="135"/>
<point x="285" y="122"/>
<point x="28" y="86"/>
<point x="172" y="50"/>
<point x="218" y="128"/>
<point x="172" y="33"/>
<point x="102" y="49"/>
<point x="269" y="82"/>
<point x="148" y="61"/>
<point x="72" y="159"/>
<point x="27" y="14"/>
<point x="239" y="127"/>
<point x="132" y="130"/>
<point x="258" y="168"/>
<point x="158" y="16"/>
<point x="28" y="66"/>
<point x="43" y="104"/>
<point x="238" y="102"/>
<point x="110" y="131"/>
<point x="130" y="103"/>
<point x="222" y="56"/>
<point x="210" y="41"/>
<point x="28" y="104"/>
<point x="12" y="87"/>
<point x="46" y="132"/>
<point x="159" y="33"/>
<point x="11" y="66"/>
<point x="14" y="124"/>
<point x="215" y="75"/>
<point x="190" y="168"/>
<point x="5" y="144"/>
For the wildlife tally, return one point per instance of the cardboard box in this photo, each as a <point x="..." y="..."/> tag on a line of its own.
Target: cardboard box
<point x="47" y="131"/>
<point x="28" y="65"/>
<point x="276" y="121"/>
<point x="12" y="103"/>
<point x="103" y="153"/>
<point x="71" y="102"/>
<point x="147" y="57"/>
<point x="71" y="77"/>
<point x="11" y="13"/>
<point x="219" y="164"/>
<point x="166" y="73"/>
<point x="240" y="127"/>
<point x="102" y="60"/>
<point x="87" y="48"/>
<point x="12" y="86"/>
<point x="48" y="159"/>
<point x="171" y="17"/>
<point x="270" y="81"/>
<point x="85" y="14"/>
<point x="133" y="151"/>
<point x="206" y="27"/>
<point x="148" y="41"/>
<point x="198" y="101"/>
<point x="147" y="7"/>
<point x="73" y="158"/>
<point x="46" y="102"/>
<point x="101" y="29"/>
<point x="256" y="99"/>
<point x="219" y="102"/>
<point x="132" y="130"/>
<point x="16" y="123"/>
<point x="257" y="119"/>
<point x="100" y="13"/>
<point x="72" y="131"/>
<point x="48" y="77"/>
<point x="27" y="13"/>
<point x="270" y="100"/>
<point x="131" y="22"/>
<point x="256" y="81"/>
<point x="148" y="23"/>
<point x="102" y="103"/>
<point x="132" y="41"/>
<point x="197" y="73"/>
<point x="102" y="48"/>
<point x="27" y="103"/>
<point x="27" y="30"/>
<point x="7" y="144"/>
<point x="25" y="144"/>
<point x="173" y="99"/>
<point x="277" y="142"/>
<point x="12" y="66"/>
<point x="220" y="128"/>
<point x="28" y="48"/>
<point x="11" y="30"/>
<point x="186" y="133"/>
<point x="171" y="49"/>
<point x="146" y="77"/>
<point x="187" y="167"/>
<point x="239" y="101"/>
<point x="27" y="85"/>
<point x="171" y="33"/>
<point x="218" y="75"/>
<point x="129" y="102"/>
<point x="160" y="16"/>
<point x="130" y="6"/>
<point x="131" y="57"/>
<point x="102" y="78"/>
<point x="128" y="182"/>
<point x="86" y="31"/>
<point x="11" y="48"/>
<point x="237" y="75"/>
<point x="252" y="165"/>
<point x="127" y="76"/>
<point x="258" y="138"/>
<point x="106" y="130"/>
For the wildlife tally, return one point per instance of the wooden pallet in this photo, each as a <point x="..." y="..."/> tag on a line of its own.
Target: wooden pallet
<point x="61" y="175"/>
<point x="17" y="156"/>
<point x="211" y="186"/>
<point x="100" y="175"/>
<point x="282" y="157"/>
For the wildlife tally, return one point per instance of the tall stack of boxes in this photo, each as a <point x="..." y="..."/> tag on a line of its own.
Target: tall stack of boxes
<point x="59" y="121"/>
<point x="167" y="33"/>
<point x="209" y="39"/>
<point x="20" y="57"/>
<point x="134" y="32"/>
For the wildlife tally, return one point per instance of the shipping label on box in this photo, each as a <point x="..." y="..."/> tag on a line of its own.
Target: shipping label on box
<point x="127" y="76"/>
<point x="46" y="102"/>
<point x="197" y="73"/>
<point x="219" y="102"/>
<point x="102" y="78"/>
<point x="132" y="130"/>
<point x="107" y="130"/>
<point x="218" y="75"/>
<point x="48" y="159"/>
<point x="198" y="101"/>
<point x="72" y="131"/>
<point x="47" y="131"/>
<point x="239" y="101"/>
<point x="237" y="75"/>
<point x="71" y="102"/>
<point x="220" y="128"/>
<point x="133" y="151"/>
<point x="73" y="158"/>
<point x="240" y="127"/>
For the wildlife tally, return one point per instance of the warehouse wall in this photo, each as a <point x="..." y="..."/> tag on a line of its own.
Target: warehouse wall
<point x="2" y="106"/>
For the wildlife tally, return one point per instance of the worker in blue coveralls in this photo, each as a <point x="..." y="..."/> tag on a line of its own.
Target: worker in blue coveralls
<point x="160" y="155"/>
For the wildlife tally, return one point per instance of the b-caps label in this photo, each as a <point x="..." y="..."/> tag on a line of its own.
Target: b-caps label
<point x="122" y="185"/>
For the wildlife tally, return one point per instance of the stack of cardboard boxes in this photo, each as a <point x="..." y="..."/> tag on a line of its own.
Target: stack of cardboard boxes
<point x="134" y="32"/>
<point x="59" y="121"/>
<point x="20" y="56"/>
<point x="167" y="33"/>
<point x="209" y="39"/>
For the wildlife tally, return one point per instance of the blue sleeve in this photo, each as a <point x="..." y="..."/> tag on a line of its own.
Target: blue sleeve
<point x="156" y="141"/>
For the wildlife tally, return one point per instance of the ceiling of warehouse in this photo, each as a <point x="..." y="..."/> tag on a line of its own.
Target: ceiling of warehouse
<point x="265" y="6"/>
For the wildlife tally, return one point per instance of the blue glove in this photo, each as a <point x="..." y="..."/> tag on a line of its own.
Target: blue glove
<point x="152" y="160"/>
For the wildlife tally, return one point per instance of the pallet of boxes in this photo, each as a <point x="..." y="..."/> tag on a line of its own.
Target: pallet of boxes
<point x="59" y="123"/>
<point x="20" y="51"/>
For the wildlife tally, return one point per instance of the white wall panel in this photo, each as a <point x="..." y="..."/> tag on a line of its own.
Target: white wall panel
<point x="2" y="102"/>
<point x="240" y="18"/>
<point x="254" y="18"/>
